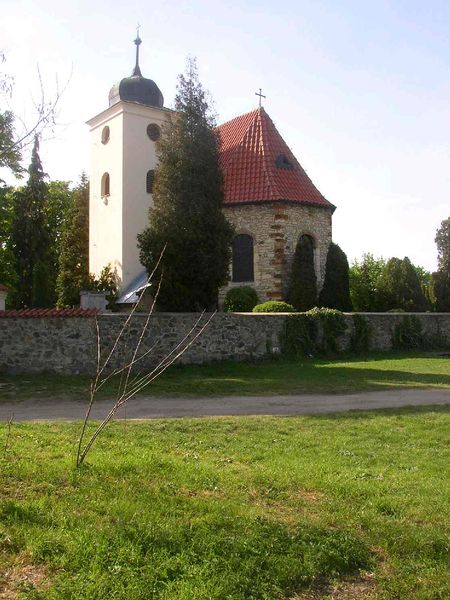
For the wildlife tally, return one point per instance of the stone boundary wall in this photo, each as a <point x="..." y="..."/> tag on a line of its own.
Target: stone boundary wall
<point x="69" y="344"/>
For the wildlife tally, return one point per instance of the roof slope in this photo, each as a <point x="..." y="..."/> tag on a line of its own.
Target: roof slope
<point x="258" y="166"/>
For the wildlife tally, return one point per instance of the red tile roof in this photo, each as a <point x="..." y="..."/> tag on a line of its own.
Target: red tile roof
<point x="34" y="313"/>
<point x="258" y="166"/>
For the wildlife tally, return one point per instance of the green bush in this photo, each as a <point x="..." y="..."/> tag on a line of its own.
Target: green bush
<point x="360" y="339"/>
<point x="240" y="299"/>
<point x="313" y="332"/>
<point x="274" y="306"/>
<point x="408" y="334"/>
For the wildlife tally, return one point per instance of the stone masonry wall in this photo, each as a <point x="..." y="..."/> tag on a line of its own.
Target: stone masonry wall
<point x="275" y="229"/>
<point x="69" y="345"/>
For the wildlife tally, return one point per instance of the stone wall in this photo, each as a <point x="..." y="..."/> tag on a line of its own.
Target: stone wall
<point x="275" y="229"/>
<point x="69" y="345"/>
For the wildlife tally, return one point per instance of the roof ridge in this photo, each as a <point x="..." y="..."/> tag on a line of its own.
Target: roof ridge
<point x="241" y="139"/>
<point x="267" y="167"/>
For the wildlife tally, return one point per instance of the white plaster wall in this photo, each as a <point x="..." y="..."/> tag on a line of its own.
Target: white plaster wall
<point x="139" y="156"/>
<point x="105" y="215"/>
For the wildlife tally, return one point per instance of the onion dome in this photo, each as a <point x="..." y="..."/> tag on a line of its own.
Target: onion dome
<point x="137" y="88"/>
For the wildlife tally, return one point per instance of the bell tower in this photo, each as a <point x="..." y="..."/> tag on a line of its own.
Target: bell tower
<point x="123" y="160"/>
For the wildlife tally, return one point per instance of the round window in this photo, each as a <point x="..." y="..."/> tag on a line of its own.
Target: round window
<point x="105" y="135"/>
<point x="153" y="132"/>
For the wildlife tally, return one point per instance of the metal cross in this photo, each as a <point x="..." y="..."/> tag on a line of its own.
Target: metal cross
<point x="261" y="95"/>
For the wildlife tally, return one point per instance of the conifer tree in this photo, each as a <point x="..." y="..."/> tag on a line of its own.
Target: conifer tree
<point x="73" y="275"/>
<point x="335" y="292"/>
<point x="302" y="292"/>
<point x="187" y="211"/>
<point x="440" y="281"/>
<point x="399" y="287"/>
<point x="30" y="238"/>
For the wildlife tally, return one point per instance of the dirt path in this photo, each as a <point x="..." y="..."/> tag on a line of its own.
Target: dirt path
<point x="145" y="407"/>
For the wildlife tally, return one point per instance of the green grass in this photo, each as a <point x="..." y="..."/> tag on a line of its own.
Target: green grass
<point x="230" y="508"/>
<point x="282" y="376"/>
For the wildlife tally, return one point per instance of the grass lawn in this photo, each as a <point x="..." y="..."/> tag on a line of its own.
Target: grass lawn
<point x="376" y="372"/>
<point x="231" y="508"/>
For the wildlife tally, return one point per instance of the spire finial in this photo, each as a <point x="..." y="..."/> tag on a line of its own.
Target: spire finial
<point x="137" y="71"/>
<point x="261" y="96"/>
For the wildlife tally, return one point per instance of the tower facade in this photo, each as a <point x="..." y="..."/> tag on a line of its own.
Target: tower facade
<point x="123" y="159"/>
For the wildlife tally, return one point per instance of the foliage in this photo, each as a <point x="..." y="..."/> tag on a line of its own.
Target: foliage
<point x="73" y="275"/>
<point x="440" y="281"/>
<point x="107" y="281"/>
<point x="8" y="275"/>
<point x="313" y="332"/>
<point x="240" y="299"/>
<point x="440" y="286"/>
<point x="408" y="334"/>
<point x="10" y="155"/>
<point x="399" y="287"/>
<point x="30" y="239"/>
<point x="360" y="338"/>
<point x="273" y="306"/>
<point x="187" y="214"/>
<point x="364" y="278"/>
<point x="302" y="292"/>
<point x="335" y="292"/>
<point x="442" y="240"/>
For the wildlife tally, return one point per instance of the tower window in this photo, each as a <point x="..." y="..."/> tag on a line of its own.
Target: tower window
<point x="153" y="132"/>
<point x="105" y="135"/>
<point x="282" y="162"/>
<point x="150" y="180"/>
<point x="105" y="185"/>
<point x="243" y="258"/>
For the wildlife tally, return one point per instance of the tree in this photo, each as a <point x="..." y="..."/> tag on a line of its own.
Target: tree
<point x="336" y="289"/>
<point x="400" y="288"/>
<point x="364" y="278"/>
<point x="440" y="281"/>
<point x="187" y="213"/>
<point x="8" y="275"/>
<point x="302" y="292"/>
<point x="73" y="275"/>
<point x="30" y="238"/>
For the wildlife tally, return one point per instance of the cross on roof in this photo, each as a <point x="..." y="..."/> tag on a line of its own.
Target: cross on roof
<point x="261" y="95"/>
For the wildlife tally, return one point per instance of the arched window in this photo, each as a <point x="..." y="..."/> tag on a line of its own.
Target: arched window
<point x="105" y="185"/>
<point x="243" y="258"/>
<point x="105" y="134"/>
<point x="150" y="180"/>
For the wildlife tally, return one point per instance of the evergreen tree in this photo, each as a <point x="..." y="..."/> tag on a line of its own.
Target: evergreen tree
<point x="364" y="278"/>
<point x="187" y="211"/>
<point x="440" y="281"/>
<point x="336" y="288"/>
<point x="73" y="249"/>
<point x="30" y="239"/>
<point x="302" y="292"/>
<point x="8" y="275"/>
<point x="400" y="287"/>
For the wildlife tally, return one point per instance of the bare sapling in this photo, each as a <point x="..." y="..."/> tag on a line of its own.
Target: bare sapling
<point x="132" y="383"/>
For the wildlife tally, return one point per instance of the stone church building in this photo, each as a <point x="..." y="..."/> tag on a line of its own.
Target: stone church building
<point x="268" y="197"/>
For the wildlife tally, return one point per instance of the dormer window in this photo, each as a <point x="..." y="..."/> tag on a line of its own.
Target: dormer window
<point x="282" y="162"/>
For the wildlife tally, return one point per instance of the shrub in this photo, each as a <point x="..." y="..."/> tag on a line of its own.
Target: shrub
<point x="274" y="306"/>
<point x="313" y="332"/>
<point x="360" y="339"/>
<point x="240" y="299"/>
<point x="408" y="334"/>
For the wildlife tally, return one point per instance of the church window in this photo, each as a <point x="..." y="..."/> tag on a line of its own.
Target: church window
<point x="282" y="162"/>
<point x="105" y="185"/>
<point x="105" y="134"/>
<point x="154" y="132"/>
<point x="243" y="258"/>
<point x="150" y="180"/>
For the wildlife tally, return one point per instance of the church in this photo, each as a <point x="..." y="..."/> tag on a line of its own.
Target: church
<point x="268" y="197"/>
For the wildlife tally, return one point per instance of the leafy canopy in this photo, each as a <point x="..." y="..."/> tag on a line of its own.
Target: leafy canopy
<point x="187" y="213"/>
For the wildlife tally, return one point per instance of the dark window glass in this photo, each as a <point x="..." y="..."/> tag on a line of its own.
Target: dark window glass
<point x="243" y="258"/>
<point x="105" y="135"/>
<point x="150" y="180"/>
<point x="153" y="132"/>
<point x="105" y="184"/>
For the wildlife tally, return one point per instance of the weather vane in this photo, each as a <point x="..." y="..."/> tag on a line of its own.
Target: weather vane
<point x="261" y="95"/>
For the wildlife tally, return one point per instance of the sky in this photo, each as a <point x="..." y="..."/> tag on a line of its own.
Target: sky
<point x="360" y="91"/>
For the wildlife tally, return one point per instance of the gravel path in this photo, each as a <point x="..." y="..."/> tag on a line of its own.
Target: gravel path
<point x="145" y="407"/>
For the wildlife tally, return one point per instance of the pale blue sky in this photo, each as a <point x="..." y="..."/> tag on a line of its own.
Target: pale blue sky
<point x="359" y="90"/>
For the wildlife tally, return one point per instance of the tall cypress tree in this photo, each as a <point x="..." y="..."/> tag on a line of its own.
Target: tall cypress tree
<point x="187" y="211"/>
<point x="302" y="292"/>
<point x="399" y="287"/>
<point x="73" y="274"/>
<point x="336" y="288"/>
<point x="30" y="238"/>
